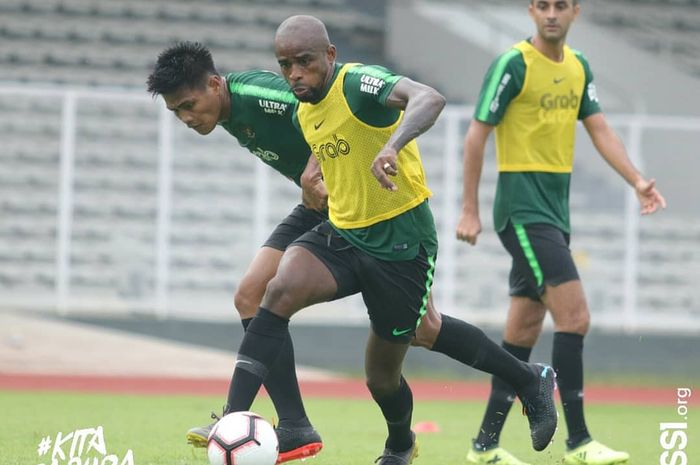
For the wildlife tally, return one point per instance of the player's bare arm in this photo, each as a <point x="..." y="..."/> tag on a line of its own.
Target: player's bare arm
<point x="613" y="151"/>
<point x="313" y="190"/>
<point x="469" y="225"/>
<point x="422" y="105"/>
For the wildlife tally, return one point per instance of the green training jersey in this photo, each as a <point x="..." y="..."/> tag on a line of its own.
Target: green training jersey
<point x="534" y="103"/>
<point x="353" y="113"/>
<point x="261" y="119"/>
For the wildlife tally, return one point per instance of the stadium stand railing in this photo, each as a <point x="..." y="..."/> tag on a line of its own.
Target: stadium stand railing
<point x="109" y="205"/>
<point x="113" y="43"/>
<point x="669" y="28"/>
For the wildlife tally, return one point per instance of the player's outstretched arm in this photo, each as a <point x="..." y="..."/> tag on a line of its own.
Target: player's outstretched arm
<point x="422" y="105"/>
<point x="313" y="190"/>
<point x="469" y="225"/>
<point x="613" y="151"/>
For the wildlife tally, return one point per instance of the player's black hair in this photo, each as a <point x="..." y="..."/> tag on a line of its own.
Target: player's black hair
<point x="184" y="65"/>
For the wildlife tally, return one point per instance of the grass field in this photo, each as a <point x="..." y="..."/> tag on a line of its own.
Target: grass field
<point x="153" y="428"/>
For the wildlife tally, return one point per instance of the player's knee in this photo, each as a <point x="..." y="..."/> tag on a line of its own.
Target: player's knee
<point x="525" y="338"/>
<point x="246" y="302"/>
<point x="582" y="322"/>
<point x="426" y="335"/>
<point x="280" y="294"/>
<point x="276" y="290"/>
<point x="382" y="386"/>
<point x="577" y="322"/>
<point x="428" y="329"/>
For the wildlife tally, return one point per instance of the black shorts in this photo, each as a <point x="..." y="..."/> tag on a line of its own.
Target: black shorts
<point x="299" y="221"/>
<point x="395" y="292"/>
<point x="541" y="256"/>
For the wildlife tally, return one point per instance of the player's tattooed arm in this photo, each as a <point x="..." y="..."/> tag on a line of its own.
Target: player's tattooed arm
<point x="421" y="105"/>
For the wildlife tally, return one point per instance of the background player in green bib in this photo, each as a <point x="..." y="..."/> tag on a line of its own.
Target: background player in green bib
<point x="534" y="94"/>
<point x="380" y="239"/>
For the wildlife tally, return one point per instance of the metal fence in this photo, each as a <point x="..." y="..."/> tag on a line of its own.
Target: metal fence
<point x="109" y="205"/>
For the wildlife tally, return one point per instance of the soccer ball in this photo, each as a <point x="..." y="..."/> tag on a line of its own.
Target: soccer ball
<point x="242" y="438"/>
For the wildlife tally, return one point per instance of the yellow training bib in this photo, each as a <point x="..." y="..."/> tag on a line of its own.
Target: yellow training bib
<point x="537" y="132"/>
<point x="345" y="147"/>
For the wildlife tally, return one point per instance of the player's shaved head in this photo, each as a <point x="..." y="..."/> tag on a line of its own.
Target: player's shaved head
<point x="303" y="29"/>
<point x="305" y="55"/>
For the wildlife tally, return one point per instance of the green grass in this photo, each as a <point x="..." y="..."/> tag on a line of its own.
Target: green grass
<point x="353" y="431"/>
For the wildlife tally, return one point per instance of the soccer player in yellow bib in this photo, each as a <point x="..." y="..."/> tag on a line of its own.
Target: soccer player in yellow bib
<point x="360" y="123"/>
<point x="533" y="95"/>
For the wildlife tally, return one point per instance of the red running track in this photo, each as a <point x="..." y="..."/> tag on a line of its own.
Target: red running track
<point x="347" y="388"/>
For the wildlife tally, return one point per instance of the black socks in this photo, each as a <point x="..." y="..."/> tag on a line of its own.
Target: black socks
<point x="282" y="386"/>
<point x="567" y="361"/>
<point x="499" y="404"/>
<point x="468" y="344"/>
<point x="261" y="346"/>
<point x="398" y="410"/>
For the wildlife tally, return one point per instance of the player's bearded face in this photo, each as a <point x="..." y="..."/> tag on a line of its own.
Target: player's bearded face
<point x="553" y="18"/>
<point x="306" y="71"/>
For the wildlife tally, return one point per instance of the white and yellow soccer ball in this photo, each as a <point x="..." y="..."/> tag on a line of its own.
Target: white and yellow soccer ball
<point x="242" y="438"/>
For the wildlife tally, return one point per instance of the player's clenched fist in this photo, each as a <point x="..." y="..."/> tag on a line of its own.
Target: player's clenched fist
<point x="468" y="228"/>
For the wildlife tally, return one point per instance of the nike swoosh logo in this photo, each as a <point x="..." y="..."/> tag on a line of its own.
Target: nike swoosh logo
<point x="557" y="81"/>
<point x="318" y="125"/>
<point x="400" y="332"/>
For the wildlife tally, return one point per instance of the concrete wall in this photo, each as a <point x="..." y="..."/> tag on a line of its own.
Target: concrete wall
<point x="451" y="45"/>
<point x="425" y="49"/>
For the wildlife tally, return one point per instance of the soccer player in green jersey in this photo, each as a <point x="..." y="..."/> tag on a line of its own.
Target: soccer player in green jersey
<point x="256" y="107"/>
<point x="361" y="123"/>
<point x="533" y="95"/>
